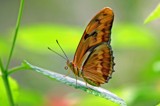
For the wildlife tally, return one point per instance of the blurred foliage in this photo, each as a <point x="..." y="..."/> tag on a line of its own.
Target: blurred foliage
<point x="151" y="72"/>
<point x="30" y="98"/>
<point x="154" y="15"/>
<point x="38" y="37"/>
<point x="141" y="96"/>
<point x="95" y="101"/>
<point x="129" y="35"/>
<point x="4" y="47"/>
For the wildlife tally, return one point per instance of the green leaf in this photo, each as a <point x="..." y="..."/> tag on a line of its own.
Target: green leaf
<point x="3" y="95"/>
<point x="154" y="15"/>
<point x="97" y="91"/>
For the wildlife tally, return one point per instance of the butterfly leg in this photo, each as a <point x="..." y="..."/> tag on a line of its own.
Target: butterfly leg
<point x="76" y="81"/>
<point x="88" y="88"/>
<point x="86" y="85"/>
<point x="68" y="72"/>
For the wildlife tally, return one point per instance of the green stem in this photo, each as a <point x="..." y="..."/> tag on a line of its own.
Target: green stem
<point x="6" y="84"/>
<point x="18" y="68"/>
<point x="1" y="66"/>
<point x="5" y="71"/>
<point x="16" y="32"/>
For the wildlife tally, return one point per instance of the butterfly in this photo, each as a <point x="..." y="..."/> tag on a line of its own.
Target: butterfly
<point x="93" y="59"/>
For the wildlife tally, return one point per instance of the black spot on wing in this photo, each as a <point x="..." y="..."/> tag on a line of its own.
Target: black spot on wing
<point x="94" y="33"/>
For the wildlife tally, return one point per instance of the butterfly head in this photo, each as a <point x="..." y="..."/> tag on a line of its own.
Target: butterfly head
<point x="72" y="67"/>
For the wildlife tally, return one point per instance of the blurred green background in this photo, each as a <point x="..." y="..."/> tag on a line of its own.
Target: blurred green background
<point x="136" y="49"/>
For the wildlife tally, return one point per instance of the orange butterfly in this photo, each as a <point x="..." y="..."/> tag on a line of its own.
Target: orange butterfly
<point x="93" y="60"/>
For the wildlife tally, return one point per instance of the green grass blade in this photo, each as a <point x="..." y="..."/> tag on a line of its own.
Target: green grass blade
<point x="154" y="15"/>
<point x="97" y="91"/>
<point x="16" y="32"/>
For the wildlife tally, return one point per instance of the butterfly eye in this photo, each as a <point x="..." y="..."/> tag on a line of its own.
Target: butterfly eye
<point x="66" y="67"/>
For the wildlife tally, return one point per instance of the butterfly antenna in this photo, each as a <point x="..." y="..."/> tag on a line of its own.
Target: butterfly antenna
<point x="62" y="50"/>
<point x="57" y="53"/>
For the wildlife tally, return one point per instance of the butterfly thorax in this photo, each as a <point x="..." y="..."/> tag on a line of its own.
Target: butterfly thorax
<point x="73" y="67"/>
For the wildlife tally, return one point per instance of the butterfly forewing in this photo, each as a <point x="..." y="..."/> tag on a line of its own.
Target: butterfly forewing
<point x="97" y="31"/>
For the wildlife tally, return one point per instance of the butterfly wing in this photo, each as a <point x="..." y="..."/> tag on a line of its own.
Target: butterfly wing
<point x="97" y="31"/>
<point x="98" y="67"/>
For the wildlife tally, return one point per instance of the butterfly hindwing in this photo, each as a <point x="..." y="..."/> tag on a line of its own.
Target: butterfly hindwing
<point x="98" y="67"/>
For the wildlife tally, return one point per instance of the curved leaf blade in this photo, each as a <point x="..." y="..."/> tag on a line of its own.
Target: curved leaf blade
<point x="97" y="91"/>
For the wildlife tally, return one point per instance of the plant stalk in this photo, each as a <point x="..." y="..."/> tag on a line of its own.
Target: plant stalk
<point x="18" y="68"/>
<point x="5" y="71"/>
<point x="6" y="84"/>
<point x="16" y="32"/>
